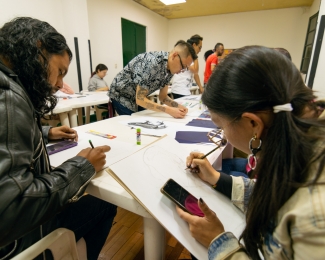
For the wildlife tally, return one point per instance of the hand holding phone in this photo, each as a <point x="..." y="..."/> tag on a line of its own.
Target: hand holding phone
<point x="181" y="197"/>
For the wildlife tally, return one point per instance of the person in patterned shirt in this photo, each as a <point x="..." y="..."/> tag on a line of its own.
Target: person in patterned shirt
<point x="147" y="73"/>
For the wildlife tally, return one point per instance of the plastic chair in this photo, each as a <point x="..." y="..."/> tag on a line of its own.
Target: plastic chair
<point x="61" y="242"/>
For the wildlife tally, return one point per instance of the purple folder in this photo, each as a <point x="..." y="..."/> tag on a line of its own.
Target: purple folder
<point x="191" y="137"/>
<point x="202" y="123"/>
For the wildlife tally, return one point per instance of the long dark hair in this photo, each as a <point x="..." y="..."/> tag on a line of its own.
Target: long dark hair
<point x="195" y="39"/>
<point x="27" y="44"/>
<point x="99" y="67"/>
<point x="254" y="79"/>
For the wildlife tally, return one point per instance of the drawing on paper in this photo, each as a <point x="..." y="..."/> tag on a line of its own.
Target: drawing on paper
<point x="161" y="162"/>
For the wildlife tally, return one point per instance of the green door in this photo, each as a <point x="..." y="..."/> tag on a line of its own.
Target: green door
<point x="133" y="40"/>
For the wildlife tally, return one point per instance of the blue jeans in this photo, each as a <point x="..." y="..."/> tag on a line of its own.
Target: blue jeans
<point x="122" y="110"/>
<point x="235" y="167"/>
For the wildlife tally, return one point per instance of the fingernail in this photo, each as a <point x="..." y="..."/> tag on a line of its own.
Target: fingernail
<point x="201" y="201"/>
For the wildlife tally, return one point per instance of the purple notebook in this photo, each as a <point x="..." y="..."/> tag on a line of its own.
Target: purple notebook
<point x="191" y="137"/>
<point x="202" y="123"/>
<point x="60" y="146"/>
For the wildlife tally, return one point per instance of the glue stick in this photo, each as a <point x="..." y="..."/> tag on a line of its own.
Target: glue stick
<point x="138" y="136"/>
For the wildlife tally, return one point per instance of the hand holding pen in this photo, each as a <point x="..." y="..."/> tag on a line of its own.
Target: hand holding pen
<point x="95" y="155"/>
<point x="198" y="163"/>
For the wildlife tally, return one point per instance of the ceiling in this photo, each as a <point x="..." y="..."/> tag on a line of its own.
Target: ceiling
<point x="212" y="7"/>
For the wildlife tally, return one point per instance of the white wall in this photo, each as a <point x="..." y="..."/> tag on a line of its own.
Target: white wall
<point x="69" y="17"/>
<point x="106" y="33"/>
<point x="284" y="28"/>
<point x="319" y="80"/>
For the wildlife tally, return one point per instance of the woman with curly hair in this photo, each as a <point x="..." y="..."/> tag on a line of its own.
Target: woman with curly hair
<point x="34" y="198"/>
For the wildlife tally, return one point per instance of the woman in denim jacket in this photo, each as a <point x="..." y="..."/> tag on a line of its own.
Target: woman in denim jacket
<point x="258" y="94"/>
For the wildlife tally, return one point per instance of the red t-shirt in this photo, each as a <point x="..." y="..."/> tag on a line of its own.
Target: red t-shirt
<point x="211" y="60"/>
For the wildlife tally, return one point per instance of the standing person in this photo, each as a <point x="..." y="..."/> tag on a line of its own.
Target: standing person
<point x="280" y="127"/>
<point x="212" y="61"/>
<point x="207" y="54"/>
<point x="96" y="81"/>
<point x="34" y="198"/>
<point x="182" y="82"/>
<point x="147" y="73"/>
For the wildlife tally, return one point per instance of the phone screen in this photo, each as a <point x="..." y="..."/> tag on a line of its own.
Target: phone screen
<point x="182" y="197"/>
<point x="60" y="146"/>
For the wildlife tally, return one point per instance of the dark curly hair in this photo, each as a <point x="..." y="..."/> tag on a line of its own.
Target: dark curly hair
<point x="27" y="44"/>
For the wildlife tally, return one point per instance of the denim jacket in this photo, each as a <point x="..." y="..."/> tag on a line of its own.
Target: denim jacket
<point x="300" y="229"/>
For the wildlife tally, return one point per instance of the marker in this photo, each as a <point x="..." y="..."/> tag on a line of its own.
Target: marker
<point x="138" y="136"/>
<point x="91" y="144"/>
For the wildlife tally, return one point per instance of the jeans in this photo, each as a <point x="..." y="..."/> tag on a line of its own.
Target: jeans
<point x="178" y="95"/>
<point x="89" y="217"/>
<point x="122" y="110"/>
<point x="235" y="167"/>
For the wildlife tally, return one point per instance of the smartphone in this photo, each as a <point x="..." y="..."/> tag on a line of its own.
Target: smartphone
<point x="60" y="146"/>
<point x="181" y="197"/>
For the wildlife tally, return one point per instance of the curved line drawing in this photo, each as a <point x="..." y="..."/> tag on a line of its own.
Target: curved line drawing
<point x="159" y="161"/>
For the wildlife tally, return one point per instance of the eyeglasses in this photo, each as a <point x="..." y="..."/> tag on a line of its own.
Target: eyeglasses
<point x="183" y="68"/>
<point x="217" y="137"/>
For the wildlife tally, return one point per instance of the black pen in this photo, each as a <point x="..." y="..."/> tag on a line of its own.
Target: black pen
<point x="204" y="156"/>
<point x="91" y="144"/>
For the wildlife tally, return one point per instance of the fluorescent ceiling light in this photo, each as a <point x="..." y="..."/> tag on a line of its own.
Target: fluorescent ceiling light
<point x="172" y="2"/>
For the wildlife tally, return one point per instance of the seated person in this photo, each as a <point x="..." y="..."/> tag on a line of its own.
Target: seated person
<point x="284" y="206"/>
<point x="96" y="81"/>
<point x="35" y="198"/>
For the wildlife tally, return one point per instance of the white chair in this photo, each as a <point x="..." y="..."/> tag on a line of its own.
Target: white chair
<point x="61" y="242"/>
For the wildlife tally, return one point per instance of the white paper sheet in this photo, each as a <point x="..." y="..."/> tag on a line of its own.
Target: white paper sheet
<point x="119" y="150"/>
<point x="147" y="170"/>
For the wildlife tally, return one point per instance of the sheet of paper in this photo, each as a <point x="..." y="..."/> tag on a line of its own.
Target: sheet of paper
<point x="119" y="150"/>
<point x="147" y="170"/>
<point x="170" y="126"/>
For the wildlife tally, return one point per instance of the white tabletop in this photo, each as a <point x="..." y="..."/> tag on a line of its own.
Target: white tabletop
<point x="107" y="188"/>
<point x="68" y="104"/>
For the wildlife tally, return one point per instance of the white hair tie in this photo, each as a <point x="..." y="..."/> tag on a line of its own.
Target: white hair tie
<point x="285" y="107"/>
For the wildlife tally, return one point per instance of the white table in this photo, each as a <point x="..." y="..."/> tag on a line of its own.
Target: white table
<point x="107" y="188"/>
<point x="67" y="107"/>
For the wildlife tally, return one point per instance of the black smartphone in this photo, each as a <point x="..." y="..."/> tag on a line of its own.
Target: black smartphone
<point x="181" y="197"/>
<point x="60" y="146"/>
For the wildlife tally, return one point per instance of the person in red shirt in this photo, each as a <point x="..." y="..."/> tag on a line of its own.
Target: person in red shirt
<point x="212" y="61"/>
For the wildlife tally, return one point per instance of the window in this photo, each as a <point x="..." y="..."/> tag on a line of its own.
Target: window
<point x="311" y="31"/>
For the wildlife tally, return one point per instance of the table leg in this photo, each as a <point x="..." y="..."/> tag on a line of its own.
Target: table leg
<point x="73" y="118"/>
<point x="87" y="115"/>
<point x="154" y="239"/>
<point x="64" y="119"/>
<point x="80" y="118"/>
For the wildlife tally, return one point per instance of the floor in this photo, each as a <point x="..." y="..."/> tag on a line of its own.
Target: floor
<point x="125" y="240"/>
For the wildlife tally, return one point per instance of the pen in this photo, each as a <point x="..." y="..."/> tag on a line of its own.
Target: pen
<point x="91" y="144"/>
<point x="204" y="156"/>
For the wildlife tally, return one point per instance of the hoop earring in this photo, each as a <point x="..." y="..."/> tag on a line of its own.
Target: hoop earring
<point x="254" y="151"/>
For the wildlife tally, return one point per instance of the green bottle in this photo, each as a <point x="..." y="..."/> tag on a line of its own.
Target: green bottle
<point x="138" y="136"/>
